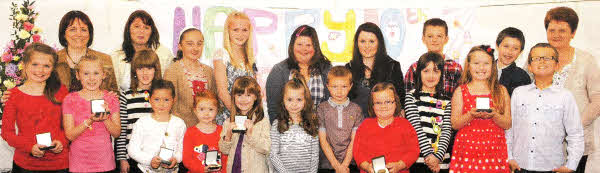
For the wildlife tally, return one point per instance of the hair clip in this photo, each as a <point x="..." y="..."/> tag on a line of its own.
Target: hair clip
<point x="300" y="31"/>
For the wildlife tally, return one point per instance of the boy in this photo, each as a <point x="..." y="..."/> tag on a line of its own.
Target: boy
<point x="510" y="43"/>
<point x="338" y="120"/>
<point x="544" y="115"/>
<point x="435" y="36"/>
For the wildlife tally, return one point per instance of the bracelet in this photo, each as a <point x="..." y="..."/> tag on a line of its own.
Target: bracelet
<point x="86" y="125"/>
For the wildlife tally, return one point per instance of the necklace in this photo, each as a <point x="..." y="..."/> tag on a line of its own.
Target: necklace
<point x="386" y="122"/>
<point x="168" y="122"/>
<point x="71" y="59"/>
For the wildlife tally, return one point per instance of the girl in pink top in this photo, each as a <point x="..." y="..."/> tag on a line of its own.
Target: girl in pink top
<point x="91" y="149"/>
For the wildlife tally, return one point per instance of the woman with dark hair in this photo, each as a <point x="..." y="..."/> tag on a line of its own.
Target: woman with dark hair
<point x="304" y="57"/>
<point x="75" y="34"/>
<point x="140" y="33"/>
<point x="371" y="64"/>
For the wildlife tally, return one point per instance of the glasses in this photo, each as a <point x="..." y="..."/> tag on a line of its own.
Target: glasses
<point x="544" y="58"/>
<point x="389" y="102"/>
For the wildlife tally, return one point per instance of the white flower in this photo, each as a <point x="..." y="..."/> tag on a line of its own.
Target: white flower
<point x="37" y="30"/>
<point x="24" y="34"/>
<point x="9" y="84"/>
<point x="21" y="17"/>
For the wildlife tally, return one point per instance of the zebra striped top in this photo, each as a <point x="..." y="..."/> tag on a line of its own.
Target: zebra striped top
<point x="131" y="109"/>
<point x="294" y="150"/>
<point x="430" y="116"/>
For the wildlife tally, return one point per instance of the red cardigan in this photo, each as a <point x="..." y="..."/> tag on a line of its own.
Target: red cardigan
<point x="34" y="115"/>
<point x="194" y="142"/>
<point x="397" y="141"/>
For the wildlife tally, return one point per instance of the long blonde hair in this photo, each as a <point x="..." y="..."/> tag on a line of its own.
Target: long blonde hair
<point x="492" y="82"/>
<point x="249" y="49"/>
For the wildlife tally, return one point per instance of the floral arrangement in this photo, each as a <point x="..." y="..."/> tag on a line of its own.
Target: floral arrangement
<point x="24" y="32"/>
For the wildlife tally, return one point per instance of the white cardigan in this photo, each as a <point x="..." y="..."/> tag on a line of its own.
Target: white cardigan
<point x="148" y="136"/>
<point x="123" y="69"/>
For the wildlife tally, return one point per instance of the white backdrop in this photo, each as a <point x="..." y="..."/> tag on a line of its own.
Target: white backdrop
<point x="471" y="23"/>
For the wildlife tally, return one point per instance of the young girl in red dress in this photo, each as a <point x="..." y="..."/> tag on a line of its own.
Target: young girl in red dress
<point x="480" y="145"/>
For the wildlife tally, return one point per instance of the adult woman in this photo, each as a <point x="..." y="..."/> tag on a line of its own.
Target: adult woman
<point x="386" y="133"/>
<point x="305" y="57"/>
<point x="140" y="33"/>
<point x="370" y="65"/>
<point x="75" y="34"/>
<point x="189" y="75"/>
<point x="237" y="58"/>
<point x="578" y="72"/>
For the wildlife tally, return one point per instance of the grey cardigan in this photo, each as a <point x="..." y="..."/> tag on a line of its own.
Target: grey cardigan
<point x="279" y="75"/>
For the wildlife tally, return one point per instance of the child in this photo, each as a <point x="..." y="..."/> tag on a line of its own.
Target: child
<point x="428" y="110"/>
<point x="158" y="132"/>
<point x="557" y="121"/>
<point x="34" y="109"/>
<point x="145" y="69"/>
<point x="435" y="36"/>
<point x="480" y="145"/>
<point x="248" y="150"/>
<point x="204" y="136"/>
<point x="338" y="120"/>
<point x="235" y="59"/>
<point x="91" y="148"/>
<point x="294" y="140"/>
<point x="510" y="44"/>
<point x="189" y="75"/>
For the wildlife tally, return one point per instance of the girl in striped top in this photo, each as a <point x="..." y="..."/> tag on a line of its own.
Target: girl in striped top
<point x="294" y="140"/>
<point x="134" y="104"/>
<point x="428" y="110"/>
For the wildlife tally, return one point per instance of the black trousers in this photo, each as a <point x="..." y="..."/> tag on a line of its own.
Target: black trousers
<point x="527" y="171"/>
<point x="17" y="169"/>
<point x="581" y="165"/>
<point x="353" y="169"/>
<point x="422" y="168"/>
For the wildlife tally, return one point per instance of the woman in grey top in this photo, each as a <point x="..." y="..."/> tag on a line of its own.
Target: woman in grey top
<point x="294" y="140"/>
<point x="305" y="57"/>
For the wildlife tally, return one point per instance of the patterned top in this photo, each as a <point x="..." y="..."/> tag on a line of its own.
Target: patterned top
<point x="541" y="121"/>
<point x="233" y="73"/>
<point x="132" y="108"/>
<point x="198" y="82"/>
<point x="338" y="122"/>
<point x="316" y="87"/>
<point x="560" y="77"/>
<point x="430" y="116"/>
<point x="451" y="74"/>
<point x="293" y="150"/>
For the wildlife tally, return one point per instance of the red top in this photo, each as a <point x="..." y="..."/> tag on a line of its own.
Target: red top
<point x="34" y="115"/>
<point x="195" y="145"/>
<point x="397" y="141"/>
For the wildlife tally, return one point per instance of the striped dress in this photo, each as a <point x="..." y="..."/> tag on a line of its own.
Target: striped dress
<point x="131" y="109"/>
<point x="429" y="114"/>
<point x="294" y="150"/>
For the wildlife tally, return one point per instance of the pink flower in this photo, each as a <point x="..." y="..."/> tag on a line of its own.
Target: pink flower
<point x="20" y="51"/>
<point x="28" y="26"/>
<point x="7" y="57"/>
<point x="30" y="7"/>
<point x="36" y="38"/>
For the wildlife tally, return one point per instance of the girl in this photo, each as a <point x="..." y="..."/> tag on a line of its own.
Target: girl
<point x="160" y="132"/>
<point x="204" y="136"/>
<point x="248" y="150"/>
<point x="134" y="102"/>
<point x="428" y="110"/>
<point x="480" y="144"/>
<point x="236" y="60"/>
<point x="189" y="75"/>
<point x="294" y="140"/>
<point x="91" y="148"/>
<point x="34" y="109"/>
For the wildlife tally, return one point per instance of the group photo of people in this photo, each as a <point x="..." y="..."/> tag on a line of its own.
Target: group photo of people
<point x="143" y="108"/>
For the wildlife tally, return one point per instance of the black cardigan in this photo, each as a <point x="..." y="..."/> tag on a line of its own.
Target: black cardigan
<point x="391" y="73"/>
<point x="513" y="77"/>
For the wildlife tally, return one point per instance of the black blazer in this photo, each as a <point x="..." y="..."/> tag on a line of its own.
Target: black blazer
<point x="513" y="77"/>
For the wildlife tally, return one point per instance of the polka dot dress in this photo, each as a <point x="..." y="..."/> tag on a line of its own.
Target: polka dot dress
<point x="480" y="146"/>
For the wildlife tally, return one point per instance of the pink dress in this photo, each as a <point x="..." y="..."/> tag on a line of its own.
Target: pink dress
<point x="92" y="150"/>
<point x="480" y="146"/>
